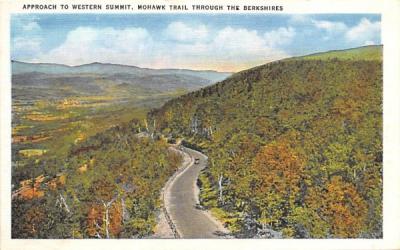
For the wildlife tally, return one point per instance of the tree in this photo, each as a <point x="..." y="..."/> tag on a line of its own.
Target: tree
<point x="279" y="170"/>
<point x="340" y="206"/>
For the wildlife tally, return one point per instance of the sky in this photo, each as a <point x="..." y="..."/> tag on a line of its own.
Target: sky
<point x="219" y="42"/>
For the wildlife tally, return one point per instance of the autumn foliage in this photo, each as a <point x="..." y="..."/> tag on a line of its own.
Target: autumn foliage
<point x="340" y="205"/>
<point x="116" y="196"/>
<point x="279" y="171"/>
<point x="294" y="146"/>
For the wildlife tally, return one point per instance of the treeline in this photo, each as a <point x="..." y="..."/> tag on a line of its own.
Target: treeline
<point x="294" y="146"/>
<point x="107" y="187"/>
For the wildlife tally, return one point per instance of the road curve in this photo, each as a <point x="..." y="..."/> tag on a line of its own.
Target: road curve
<point x="181" y="197"/>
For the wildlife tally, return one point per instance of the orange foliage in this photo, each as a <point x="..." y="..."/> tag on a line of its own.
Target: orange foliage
<point x="31" y="192"/>
<point x="32" y="138"/>
<point x="28" y="191"/>
<point x="341" y="206"/>
<point x="280" y="169"/>
<point x="55" y="182"/>
<point x="95" y="215"/>
<point x="116" y="219"/>
<point x="62" y="179"/>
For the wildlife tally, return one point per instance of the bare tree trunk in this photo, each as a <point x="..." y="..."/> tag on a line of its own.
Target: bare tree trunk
<point x="220" y="179"/>
<point x="65" y="204"/>
<point x="107" y="222"/>
<point x="124" y="212"/>
<point x="145" y="124"/>
<point x="194" y="125"/>
<point x="97" y="233"/>
<point x="107" y="216"/>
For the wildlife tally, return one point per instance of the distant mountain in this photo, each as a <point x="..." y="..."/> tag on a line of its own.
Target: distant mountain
<point x="54" y="81"/>
<point x="294" y="145"/>
<point x="111" y="69"/>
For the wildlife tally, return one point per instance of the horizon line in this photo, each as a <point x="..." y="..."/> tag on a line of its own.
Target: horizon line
<point x="211" y="70"/>
<point x="118" y="64"/>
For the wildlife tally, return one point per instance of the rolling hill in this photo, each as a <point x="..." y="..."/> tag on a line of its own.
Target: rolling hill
<point x="294" y="146"/>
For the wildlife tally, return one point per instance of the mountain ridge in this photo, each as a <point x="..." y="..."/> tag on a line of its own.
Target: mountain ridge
<point x="115" y="64"/>
<point x="19" y="67"/>
<point x="368" y="52"/>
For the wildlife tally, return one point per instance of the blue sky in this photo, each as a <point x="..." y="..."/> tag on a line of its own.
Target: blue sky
<point x="197" y="41"/>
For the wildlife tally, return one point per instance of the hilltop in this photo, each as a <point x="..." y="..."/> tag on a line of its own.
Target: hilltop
<point x="368" y="53"/>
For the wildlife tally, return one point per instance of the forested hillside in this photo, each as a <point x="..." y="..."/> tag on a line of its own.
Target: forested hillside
<point x="294" y="146"/>
<point x="107" y="187"/>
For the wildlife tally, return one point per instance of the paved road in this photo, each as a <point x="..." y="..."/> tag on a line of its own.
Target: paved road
<point x="181" y="198"/>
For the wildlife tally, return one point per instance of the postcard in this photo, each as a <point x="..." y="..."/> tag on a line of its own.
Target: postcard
<point x="200" y="124"/>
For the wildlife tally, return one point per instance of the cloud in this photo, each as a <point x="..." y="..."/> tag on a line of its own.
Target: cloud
<point x="179" y="31"/>
<point x="237" y="41"/>
<point x="364" y="32"/>
<point x="86" y="45"/>
<point x="196" y="46"/>
<point x="330" y="26"/>
<point x="226" y="48"/>
<point x="26" y="24"/>
<point x="31" y="26"/>
<point x="20" y="43"/>
<point x="26" y="48"/>
<point x="280" y="36"/>
<point x="26" y="43"/>
<point x="298" y="19"/>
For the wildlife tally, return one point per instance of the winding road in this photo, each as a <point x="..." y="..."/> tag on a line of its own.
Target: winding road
<point x="181" y="197"/>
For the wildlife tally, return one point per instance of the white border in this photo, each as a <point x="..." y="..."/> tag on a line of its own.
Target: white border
<point x="390" y="10"/>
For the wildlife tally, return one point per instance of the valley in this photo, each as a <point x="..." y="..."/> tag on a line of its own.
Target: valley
<point x="57" y="106"/>
<point x="67" y="126"/>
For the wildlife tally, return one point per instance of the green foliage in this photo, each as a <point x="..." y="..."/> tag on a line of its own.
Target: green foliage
<point x="208" y="195"/>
